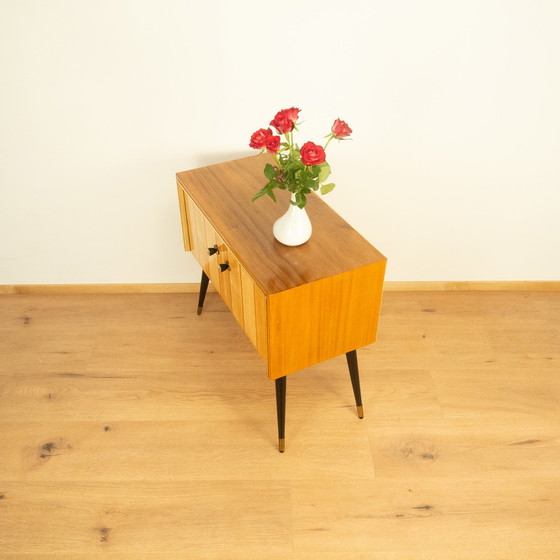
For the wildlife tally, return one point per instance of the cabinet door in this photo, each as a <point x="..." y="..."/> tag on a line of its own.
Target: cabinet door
<point x="221" y="259"/>
<point x="197" y="223"/>
<point x="214" y="272"/>
<point x="234" y="274"/>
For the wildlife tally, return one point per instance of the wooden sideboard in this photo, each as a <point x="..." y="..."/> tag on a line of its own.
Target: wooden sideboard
<point x="298" y="305"/>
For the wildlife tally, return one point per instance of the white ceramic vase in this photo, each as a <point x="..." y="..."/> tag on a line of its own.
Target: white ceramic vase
<point x="294" y="227"/>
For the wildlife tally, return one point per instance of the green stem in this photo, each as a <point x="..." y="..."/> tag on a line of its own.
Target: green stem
<point x="330" y="138"/>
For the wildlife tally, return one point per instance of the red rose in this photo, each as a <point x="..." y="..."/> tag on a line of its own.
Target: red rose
<point x="311" y="154"/>
<point x="258" y="139"/>
<point x="284" y="120"/>
<point x="340" y="129"/>
<point x="272" y="143"/>
<point x="292" y="113"/>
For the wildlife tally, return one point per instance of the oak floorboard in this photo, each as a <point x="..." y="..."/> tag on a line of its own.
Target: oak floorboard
<point x="510" y="395"/>
<point x="450" y="448"/>
<point x="205" y="449"/>
<point x="73" y="517"/>
<point x="438" y="518"/>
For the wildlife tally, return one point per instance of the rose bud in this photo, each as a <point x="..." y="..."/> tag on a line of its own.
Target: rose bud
<point x="340" y="129"/>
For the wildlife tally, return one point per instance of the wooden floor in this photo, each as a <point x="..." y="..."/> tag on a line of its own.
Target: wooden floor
<point x="132" y="428"/>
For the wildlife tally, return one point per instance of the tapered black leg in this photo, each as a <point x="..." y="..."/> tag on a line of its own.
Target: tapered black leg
<point x="281" y="411"/>
<point x="352" y="359"/>
<point x="203" y="287"/>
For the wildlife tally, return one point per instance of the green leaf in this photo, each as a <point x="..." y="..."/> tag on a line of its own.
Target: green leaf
<point x="310" y="184"/>
<point x="327" y="188"/>
<point x="324" y="171"/>
<point x="300" y="199"/>
<point x="262" y="192"/>
<point x="270" y="172"/>
<point x="295" y="165"/>
<point x="268" y="188"/>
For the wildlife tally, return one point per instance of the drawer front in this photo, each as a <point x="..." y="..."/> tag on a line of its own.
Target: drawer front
<point x="235" y="285"/>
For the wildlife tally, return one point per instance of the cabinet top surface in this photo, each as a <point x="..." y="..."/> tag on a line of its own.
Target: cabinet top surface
<point x="224" y="191"/>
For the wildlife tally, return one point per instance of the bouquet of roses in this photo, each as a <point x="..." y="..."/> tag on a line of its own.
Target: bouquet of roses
<point x="299" y="170"/>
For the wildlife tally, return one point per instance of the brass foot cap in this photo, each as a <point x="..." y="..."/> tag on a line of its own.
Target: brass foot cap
<point x="360" y="411"/>
<point x="199" y="310"/>
<point x="281" y="444"/>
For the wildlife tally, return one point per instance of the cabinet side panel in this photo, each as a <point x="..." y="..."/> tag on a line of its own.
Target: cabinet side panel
<point x="183" y="202"/>
<point x="323" y="319"/>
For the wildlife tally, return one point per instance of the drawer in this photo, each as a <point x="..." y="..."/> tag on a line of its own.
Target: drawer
<point x="234" y="284"/>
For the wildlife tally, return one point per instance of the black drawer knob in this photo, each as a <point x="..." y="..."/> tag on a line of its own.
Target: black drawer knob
<point x="213" y="250"/>
<point x="224" y="266"/>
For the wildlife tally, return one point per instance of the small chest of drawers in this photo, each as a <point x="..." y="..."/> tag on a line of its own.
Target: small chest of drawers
<point x="298" y="305"/>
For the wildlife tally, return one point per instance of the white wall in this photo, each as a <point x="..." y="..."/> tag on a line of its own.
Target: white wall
<point x="453" y="173"/>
